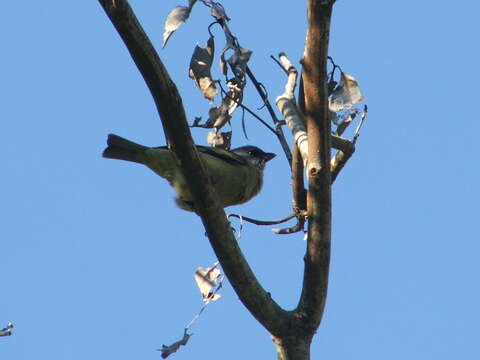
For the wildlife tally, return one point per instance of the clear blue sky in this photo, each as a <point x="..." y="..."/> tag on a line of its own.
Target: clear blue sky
<point x="97" y="261"/>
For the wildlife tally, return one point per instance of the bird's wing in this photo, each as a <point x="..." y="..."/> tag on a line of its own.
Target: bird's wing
<point x="225" y="155"/>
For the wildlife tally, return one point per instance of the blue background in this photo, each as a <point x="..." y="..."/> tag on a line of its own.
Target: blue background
<point x="96" y="260"/>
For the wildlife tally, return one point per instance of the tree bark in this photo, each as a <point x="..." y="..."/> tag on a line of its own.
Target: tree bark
<point x="296" y="348"/>
<point x="314" y="76"/>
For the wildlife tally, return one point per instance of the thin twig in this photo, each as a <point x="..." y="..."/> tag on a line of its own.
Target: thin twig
<point x="248" y="110"/>
<point x="266" y="93"/>
<point x="299" y="202"/>
<point x="359" y="126"/>
<point x="287" y="105"/>
<point x="279" y="64"/>
<point x="279" y="131"/>
<point x="243" y="124"/>
<point x="262" y="222"/>
<point x="335" y="66"/>
<point x="210" y="28"/>
<point x="299" y="226"/>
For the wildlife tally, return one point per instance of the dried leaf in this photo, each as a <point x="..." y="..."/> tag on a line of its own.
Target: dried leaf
<point x="196" y="121"/>
<point x="7" y="330"/>
<point x="175" y="19"/>
<point x="331" y="86"/>
<point x="230" y="45"/>
<point x="346" y="94"/>
<point x="218" y="12"/>
<point x="218" y="116"/>
<point x="169" y="350"/>
<point x="238" y="61"/>
<point x="207" y="279"/>
<point x="200" y="65"/>
<point x="221" y="140"/>
<point x="235" y="94"/>
<point x="223" y="64"/>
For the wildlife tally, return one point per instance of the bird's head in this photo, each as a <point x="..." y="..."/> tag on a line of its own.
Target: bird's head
<point x="254" y="155"/>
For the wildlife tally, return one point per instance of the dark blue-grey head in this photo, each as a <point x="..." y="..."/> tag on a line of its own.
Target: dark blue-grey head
<point x="254" y="155"/>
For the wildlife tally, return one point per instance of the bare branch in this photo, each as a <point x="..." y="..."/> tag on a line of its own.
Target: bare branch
<point x="172" y="114"/>
<point x="279" y="131"/>
<point x="339" y="161"/>
<point x="262" y="222"/>
<point x="362" y="121"/>
<point x="346" y="147"/>
<point x="317" y="258"/>
<point x="287" y="105"/>
<point x="299" y="203"/>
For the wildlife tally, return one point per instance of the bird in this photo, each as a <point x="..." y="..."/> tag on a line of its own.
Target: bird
<point x="236" y="175"/>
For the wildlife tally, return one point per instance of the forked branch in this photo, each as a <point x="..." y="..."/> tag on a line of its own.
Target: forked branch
<point x="172" y="114"/>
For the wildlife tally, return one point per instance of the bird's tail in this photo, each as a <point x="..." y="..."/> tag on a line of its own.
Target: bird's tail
<point x="123" y="149"/>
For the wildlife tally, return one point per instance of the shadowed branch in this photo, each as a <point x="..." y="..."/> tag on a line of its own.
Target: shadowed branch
<point x="172" y="114"/>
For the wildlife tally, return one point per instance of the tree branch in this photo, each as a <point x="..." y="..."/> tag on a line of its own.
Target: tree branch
<point x="317" y="258"/>
<point x="172" y="114"/>
<point x="287" y="105"/>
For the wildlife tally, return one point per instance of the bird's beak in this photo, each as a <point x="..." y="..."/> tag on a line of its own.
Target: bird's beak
<point x="268" y="156"/>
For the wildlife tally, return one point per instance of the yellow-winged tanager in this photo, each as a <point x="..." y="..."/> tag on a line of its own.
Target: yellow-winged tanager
<point x="237" y="175"/>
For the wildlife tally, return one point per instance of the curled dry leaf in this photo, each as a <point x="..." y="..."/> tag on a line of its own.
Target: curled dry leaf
<point x="218" y="12"/>
<point x="170" y="349"/>
<point x="346" y="94"/>
<point x="218" y="116"/>
<point x="200" y="65"/>
<point x="207" y="279"/>
<point x="238" y="61"/>
<point x="175" y="19"/>
<point x="196" y="122"/>
<point x="230" y="45"/>
<point x="221" y="140"/>
<point x="7" y="330"/>
<point x="223" y="64"/>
